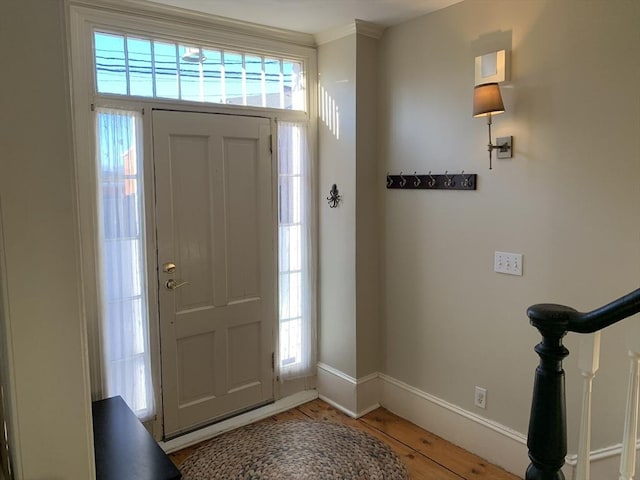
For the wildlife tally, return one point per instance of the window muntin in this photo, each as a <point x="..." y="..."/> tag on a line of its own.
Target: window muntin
<point x="132" y="65"/>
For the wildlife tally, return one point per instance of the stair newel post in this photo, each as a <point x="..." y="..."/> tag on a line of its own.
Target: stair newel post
<point x="547" y="439"/>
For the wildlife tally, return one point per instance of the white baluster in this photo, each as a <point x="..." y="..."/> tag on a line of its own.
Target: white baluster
<point x="628" y="460"/>
<point x="588" y="363"/>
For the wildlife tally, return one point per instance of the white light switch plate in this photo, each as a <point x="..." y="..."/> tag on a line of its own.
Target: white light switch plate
<point x="509" y="263"/>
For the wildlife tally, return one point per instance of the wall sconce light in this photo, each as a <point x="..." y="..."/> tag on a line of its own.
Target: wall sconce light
<point x="487" y="101"/>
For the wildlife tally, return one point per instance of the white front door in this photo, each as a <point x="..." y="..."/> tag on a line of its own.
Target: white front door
<point x="216" y="224"/>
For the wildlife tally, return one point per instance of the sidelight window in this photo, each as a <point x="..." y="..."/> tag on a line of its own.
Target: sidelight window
<point x="296" y="257"/>
<point x="125" y="333"/>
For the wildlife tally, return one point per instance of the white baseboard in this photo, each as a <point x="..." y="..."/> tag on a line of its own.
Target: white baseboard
<point x="355" y="397"/>
<point x="337" y="389"/>
<point x="490" y="440"/>
<point x="368" y="389"/>
<point x="216" y="429"/>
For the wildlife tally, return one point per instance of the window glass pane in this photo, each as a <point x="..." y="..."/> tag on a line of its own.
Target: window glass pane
<point x="120" y="219"/>
<point x="212" y="73"/>
<point x="293" y="86"/>
<point x="191" y="86"/>
<point x="290" y="295"/>
<point x="290" y="342"/>
<point x="124" y="255"/>
<point x="111" y="70"/>
<point x="273" y="83"/>
<point x="140" y="67"/>
<point x="289" y="203"/>
<point x="296" y="200"/>
<point x="233" y="78"/>
<point x="286" y="165"/>
<point x="284" y="242"/>
<point x="287" y="76"/>
<point x="289" y="144"/>
<point x="290" y="253"/>
<point x="253" y="74"/>
<point x="285" y="200"/>
<point x="164" y="57"/>
<point x="126" y="338"/>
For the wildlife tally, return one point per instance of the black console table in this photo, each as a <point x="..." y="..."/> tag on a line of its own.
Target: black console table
<point x="123" y="447"/>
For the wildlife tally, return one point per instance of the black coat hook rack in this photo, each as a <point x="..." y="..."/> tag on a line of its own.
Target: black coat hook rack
<point x="445" y="181"/>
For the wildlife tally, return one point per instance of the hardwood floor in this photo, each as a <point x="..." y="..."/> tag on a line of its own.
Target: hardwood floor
<point x="427" y="456"/>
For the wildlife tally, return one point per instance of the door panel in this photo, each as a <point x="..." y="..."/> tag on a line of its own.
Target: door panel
<point x="190" y="185"/>
<point x="243" y="214"/>
<point x="216" y="223"/>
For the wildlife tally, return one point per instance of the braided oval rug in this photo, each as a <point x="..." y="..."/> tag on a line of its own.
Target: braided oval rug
<point x="294" y="449"/>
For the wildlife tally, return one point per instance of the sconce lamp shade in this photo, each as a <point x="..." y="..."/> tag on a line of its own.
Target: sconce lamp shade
<point x="487" y="100"/>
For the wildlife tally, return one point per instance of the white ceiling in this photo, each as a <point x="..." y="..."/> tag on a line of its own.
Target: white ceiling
<point x="313" y="16"/>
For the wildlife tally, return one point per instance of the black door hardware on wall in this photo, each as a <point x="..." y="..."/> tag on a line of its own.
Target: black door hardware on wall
<point x="334" y="196"/>
<point x="461" y="181"/>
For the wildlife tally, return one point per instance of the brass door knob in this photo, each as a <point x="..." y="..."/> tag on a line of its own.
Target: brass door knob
<point x="171" y="284"/>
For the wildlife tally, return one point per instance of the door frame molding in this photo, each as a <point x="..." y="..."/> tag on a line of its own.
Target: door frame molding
<point x="82" y="17"/>
<point x="8" y="401"/>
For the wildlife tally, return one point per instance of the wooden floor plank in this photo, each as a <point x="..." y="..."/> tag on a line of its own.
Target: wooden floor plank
<point x="418" y="466"/>
<point x="458" y="460"/>
<point x="180" y="456"/>
<point x="427" y="456"/>
<point x="320" y="410"/>
<point x="290" y="415"/>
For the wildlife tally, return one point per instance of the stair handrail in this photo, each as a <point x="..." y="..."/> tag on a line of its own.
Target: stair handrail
<point x="547" y="437"/>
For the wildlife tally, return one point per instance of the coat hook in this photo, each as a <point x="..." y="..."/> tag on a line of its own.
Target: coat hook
<point x="449" y="181"/>
<point x="432" y="180"/>
<point x="334" y="196"/>
<point x="465" y="180"/>
<point x="389" y="180"/>
<point x="417" y="181"/>
<point x="403" y="181"/>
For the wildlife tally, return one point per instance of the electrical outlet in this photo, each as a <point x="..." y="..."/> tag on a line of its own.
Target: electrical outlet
<point x="509" y="263"/>
<point x="480" y="399"/>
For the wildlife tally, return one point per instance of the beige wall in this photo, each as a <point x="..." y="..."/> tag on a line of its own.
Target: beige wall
<point x="568" y="200"/>
<point x="350" y="235"/>
<point x="337" y="153"/>
<point x="368" y="214"/>
<point x="51" y="403"/>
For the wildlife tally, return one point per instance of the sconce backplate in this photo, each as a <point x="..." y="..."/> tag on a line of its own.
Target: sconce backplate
<point x="506" y="147"/>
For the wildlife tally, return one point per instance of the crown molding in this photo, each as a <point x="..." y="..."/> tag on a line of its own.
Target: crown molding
<point x="359" y="27"/>
<point x="369" y="29"/>
<point x="335" y="34"/>
<point x="193" y="18"/>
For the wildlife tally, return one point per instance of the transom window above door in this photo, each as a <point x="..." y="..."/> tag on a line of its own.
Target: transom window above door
<point x="137" y="66"/>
